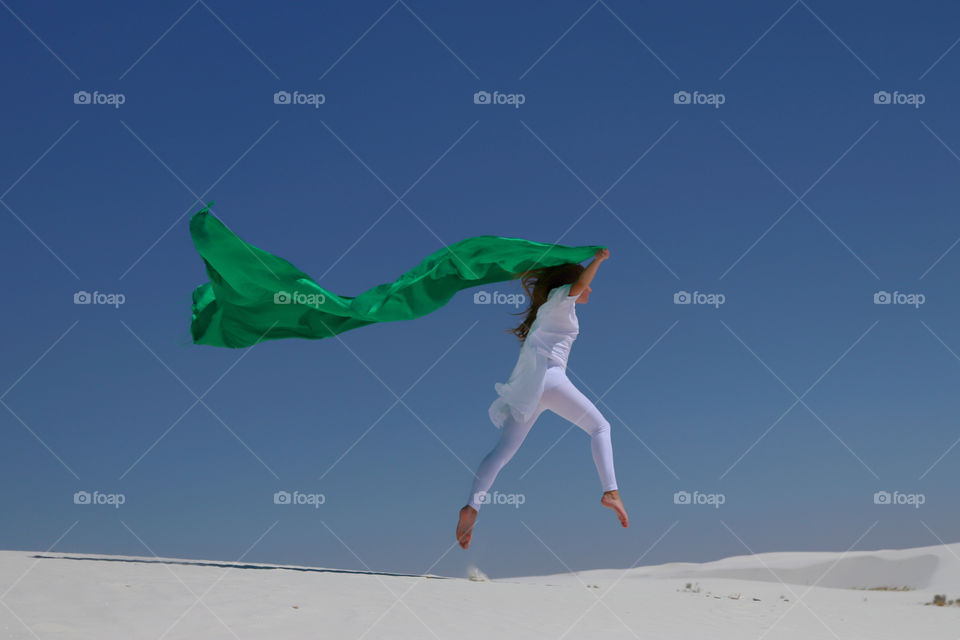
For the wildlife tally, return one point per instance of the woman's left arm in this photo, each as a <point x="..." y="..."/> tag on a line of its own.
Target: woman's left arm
<point x="587" y="276"/>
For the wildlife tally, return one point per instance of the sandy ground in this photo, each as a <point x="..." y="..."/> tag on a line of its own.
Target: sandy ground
<point x="54" y="595"/>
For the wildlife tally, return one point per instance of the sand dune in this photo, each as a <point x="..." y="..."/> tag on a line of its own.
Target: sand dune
<point x="929" y="568"/>
<point x="54" y="595"/>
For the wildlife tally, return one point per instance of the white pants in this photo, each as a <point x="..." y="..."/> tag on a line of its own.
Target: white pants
<point x="565" y="400"/>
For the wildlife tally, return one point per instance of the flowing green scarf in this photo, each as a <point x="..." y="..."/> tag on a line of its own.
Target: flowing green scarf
<point x="255" y="296"/>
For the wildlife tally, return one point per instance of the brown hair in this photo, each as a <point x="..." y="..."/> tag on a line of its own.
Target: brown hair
<point x="538" y="283"/>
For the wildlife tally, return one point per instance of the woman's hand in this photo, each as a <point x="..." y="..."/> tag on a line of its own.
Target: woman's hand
<point x="586" y="277"/>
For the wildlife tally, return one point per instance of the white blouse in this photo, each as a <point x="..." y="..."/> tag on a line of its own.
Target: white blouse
<point x="549" y="340"/>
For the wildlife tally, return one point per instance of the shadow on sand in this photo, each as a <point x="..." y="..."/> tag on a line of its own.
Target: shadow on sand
<point x="233" y="565"/>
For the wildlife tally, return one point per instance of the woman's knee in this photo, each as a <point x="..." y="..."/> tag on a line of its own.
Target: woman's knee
<point x="507" y="446"/>
<point x="588" y="418"/>
<point x="600" y="426"/>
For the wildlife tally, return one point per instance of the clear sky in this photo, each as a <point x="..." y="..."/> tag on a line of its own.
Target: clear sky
<point x="785" y="183"/>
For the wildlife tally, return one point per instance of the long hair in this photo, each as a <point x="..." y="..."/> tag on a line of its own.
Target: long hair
<point x="538" y="283"/>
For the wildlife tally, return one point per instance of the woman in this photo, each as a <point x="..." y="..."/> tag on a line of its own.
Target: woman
<point x="539" y="382"/>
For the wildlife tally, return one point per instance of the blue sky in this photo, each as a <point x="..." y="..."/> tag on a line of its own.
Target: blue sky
<point x="798" y="199"/>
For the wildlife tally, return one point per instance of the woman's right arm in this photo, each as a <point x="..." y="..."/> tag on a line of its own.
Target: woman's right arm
<point x="587" y="276"/>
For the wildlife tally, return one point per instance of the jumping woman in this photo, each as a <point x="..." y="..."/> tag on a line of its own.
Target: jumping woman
<point x="539" y="382"/>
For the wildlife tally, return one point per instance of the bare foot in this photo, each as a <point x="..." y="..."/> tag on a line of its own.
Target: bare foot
<point x="468" y="515"/>
<point x="612" y="500"/>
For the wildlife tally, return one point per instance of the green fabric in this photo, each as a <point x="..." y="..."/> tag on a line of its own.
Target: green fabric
<point x="244" y="302"/>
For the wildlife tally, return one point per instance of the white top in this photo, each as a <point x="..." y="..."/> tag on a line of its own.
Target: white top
<point x="548" y="341"/>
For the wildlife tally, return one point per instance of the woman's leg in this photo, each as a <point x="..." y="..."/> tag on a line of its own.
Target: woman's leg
<point x="512" y="435"/>
<point x="564" y="399"/>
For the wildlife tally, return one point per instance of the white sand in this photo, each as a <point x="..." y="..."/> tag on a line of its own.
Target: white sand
<point x="104" y="598"/>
